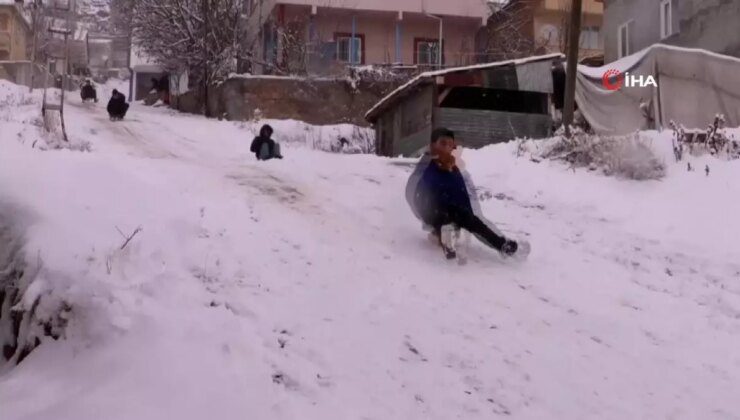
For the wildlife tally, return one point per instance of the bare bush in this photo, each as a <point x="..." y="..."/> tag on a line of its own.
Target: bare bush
<point x="630" y="157"/>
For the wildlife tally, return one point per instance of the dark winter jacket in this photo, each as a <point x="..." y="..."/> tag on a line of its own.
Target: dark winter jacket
<point x="260" y="141"/>
<point x="88" y="92"/>
<point x="257" y="145"/>
<point x="439" y="190"/>
<point x="117" y="105"/>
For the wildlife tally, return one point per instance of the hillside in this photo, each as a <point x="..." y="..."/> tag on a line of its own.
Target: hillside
<point x="305" y="289"/>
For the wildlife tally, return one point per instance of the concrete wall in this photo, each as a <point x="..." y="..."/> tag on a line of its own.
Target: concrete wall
<point x="319" y="102"/>
<point x="14" y="41"/>
<point x="709" y="24"/>
<point x="548" y="19"/>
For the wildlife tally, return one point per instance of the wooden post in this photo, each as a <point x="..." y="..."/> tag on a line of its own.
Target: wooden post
<point x="571" y="71"/>
<point x="65" y="80"/>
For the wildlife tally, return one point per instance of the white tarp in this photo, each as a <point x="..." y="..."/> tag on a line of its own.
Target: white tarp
<point x="693" y="86"/>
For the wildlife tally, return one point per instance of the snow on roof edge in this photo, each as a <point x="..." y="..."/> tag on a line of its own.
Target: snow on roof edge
<point x="626" y="63"/>
<point x="380" y="104"/>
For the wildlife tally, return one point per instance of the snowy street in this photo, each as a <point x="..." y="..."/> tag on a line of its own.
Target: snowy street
<point x="304" y="288"/>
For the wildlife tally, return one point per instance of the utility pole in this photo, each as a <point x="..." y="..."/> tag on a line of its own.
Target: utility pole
<point x="206" y="12"/>
<point x="571" y="71"/>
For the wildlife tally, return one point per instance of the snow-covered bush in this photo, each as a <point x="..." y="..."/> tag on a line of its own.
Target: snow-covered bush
<point x="27" y="312"/>
<point x="630" y="156"/>
<point x="714" y="140"/>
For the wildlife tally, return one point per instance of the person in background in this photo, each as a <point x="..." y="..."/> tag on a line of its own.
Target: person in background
<point x="117" y="106"/>
<point x="264" y="147"/>
<point x="88" y="92"/>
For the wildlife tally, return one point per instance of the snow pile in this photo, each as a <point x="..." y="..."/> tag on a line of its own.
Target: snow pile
<point x="20" y="112"/>
<point x="326" y="138"/>
<point x="305" y="288"/>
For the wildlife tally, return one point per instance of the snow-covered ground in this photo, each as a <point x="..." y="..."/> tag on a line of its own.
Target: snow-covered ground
<point x="305" y="289"/>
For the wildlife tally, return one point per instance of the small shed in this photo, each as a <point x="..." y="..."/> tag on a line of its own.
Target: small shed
<point x="483" y="104"/>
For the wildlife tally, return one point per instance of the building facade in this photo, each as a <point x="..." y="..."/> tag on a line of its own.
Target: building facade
<point x="522" y="28"/>
<point x="632" y="25"/>
<point x="15" y="32"/>
<point x="313" y="36"/>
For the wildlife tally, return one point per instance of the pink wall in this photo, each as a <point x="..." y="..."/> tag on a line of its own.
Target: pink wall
<point x="379" y="31"/>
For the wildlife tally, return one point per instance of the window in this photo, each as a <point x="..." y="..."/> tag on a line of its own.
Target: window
<point x="350" y="50"/>
<point x="624" y="44"/>
<point x="4" y="23"/>
<point x="426" y="51"/>
<point x="666" y="19"/>
<point x="590" y="38"/>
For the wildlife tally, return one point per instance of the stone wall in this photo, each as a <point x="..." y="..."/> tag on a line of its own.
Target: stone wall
<point x="314" y="101"/>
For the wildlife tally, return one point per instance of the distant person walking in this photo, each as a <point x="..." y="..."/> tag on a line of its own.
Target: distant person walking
<point x="264" y="147"/>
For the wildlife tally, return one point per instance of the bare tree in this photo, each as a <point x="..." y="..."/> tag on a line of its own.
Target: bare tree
<point x="509" y="33"/>
<point x="175" y="33"/>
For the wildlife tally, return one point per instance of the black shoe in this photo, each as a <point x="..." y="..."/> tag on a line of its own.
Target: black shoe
<point x="509" y="248"/>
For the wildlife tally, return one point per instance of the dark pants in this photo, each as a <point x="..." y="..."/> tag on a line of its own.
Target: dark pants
<point x="117" y="109"/>
<point x="465" y="219"/>
<point x="88" y="92"/>
<point x="269" y="150"/>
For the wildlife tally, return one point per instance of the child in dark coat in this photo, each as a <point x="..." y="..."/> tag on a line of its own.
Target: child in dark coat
<point x="439" y="196"/>
<point x="264" y="147"/>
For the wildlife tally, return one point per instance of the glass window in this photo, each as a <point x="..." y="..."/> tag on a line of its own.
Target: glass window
<point x="427" y="52"/>
<point x="624" y="46"/>
<point x="666" y="18"/>
<point x="347" y="52"/>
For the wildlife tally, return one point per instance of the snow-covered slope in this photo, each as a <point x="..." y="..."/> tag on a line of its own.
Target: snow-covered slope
<point x="305" y="289"/>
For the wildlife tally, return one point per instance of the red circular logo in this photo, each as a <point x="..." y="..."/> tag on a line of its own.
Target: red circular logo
<point x="612" y="79"/>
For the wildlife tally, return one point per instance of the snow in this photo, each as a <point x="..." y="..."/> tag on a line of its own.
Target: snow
<point x="626" y="63"/>
<point x="304" y="288"/>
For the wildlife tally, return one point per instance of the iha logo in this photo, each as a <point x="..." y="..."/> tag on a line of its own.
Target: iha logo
<point x="615" y="80"/>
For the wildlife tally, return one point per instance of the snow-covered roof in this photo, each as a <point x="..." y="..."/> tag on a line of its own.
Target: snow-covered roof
<point x="142" y="62"/>
<point x="625" y="63"/>
<point x="426" y="76"/>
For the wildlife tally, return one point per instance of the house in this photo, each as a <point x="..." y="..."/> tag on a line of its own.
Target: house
<point x="632" y="25"/>
<point x="143" y="70"/>
<point x="314" y="36"/>
<point x="521" y="28"/>
<point x="108" y="55"/>
<point x="483" y="104"/>
<point x="15" y="32"/>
